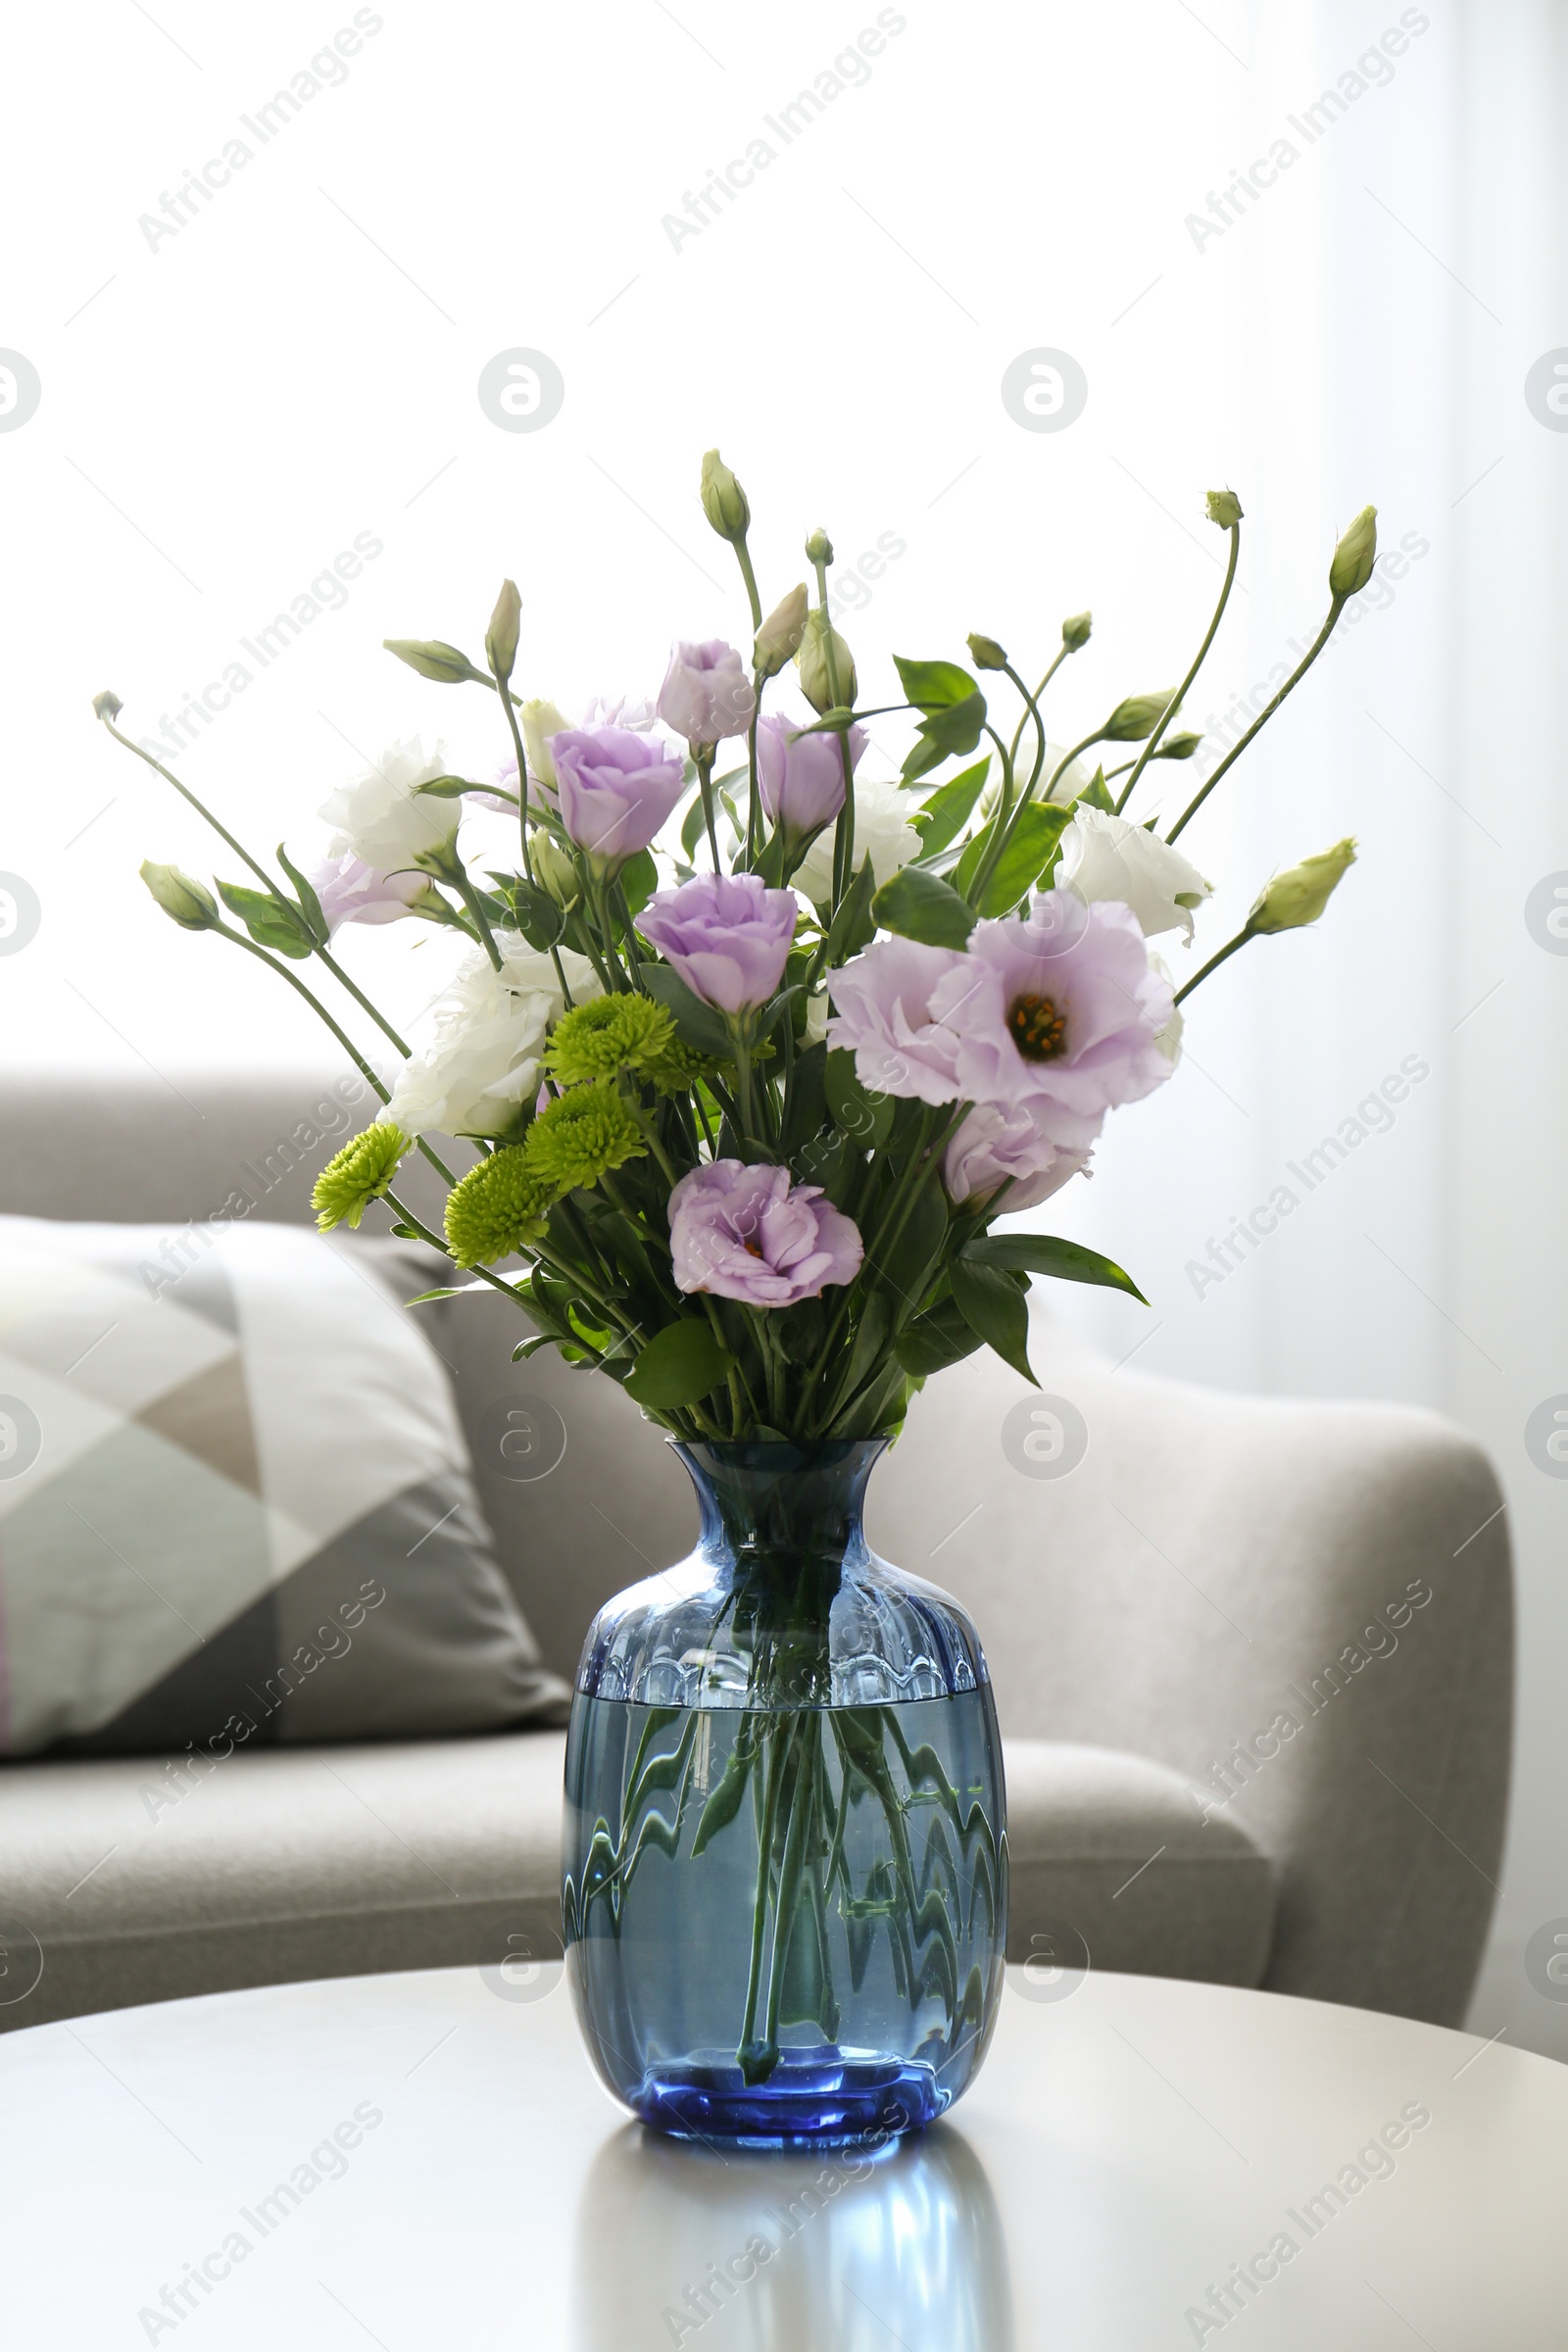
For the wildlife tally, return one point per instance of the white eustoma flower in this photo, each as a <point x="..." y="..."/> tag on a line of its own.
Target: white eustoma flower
<point x="1109" y="857"/>
<point x="383" y="820"/>
<point x="882" y="831"/>
<point x="480" y="1070"/>
<point x="1169" y="1040"/>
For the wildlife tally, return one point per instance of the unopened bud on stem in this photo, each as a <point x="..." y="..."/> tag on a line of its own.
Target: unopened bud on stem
<point x="817" y="681"/>
<point x="1354" y="557"/>
<point x="501" y="638"/>
<point x="1075" y="632"/>
<point x="433" y="660"/>
<point x="107" y="705"/>
<point x="988" y="653"/>
<point x="778" y="640"/>
<point x="724" y="502"/>
<point x="819" y="548"/>
<point x="192" y="908"/>
<point x="1300" y="894"/>
<point x="1135" y="720"/>
<point x="1225" y="509"/>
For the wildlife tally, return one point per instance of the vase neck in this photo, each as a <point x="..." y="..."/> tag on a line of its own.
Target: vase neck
<point x="775" y="1507"/>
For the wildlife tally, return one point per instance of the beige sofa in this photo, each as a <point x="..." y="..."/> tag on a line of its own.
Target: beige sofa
<point x="1253" y="1658"/>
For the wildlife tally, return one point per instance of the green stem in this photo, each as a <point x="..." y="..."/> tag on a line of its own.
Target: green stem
<point x="1175" y="703"/>
<point x="1001" y="831"/>
<point x="1263" y="718"/>
<point x="523" y="777"/>
<point x="780" y="1741"/>
<point x="481" y="921"/>
<point x="704" y="785"/>
<point x="1033" y="702"/>
<point x="1214" y="962"/>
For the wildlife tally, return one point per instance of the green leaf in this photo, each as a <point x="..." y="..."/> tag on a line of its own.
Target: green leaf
<point x="945" y="733"/>
<point x="933" y="1340"/>
<point x="1032" y="847"/>
<point x="309" y="902"/>
<point x="1049" y="1253"/>
<point x="948" y="810"/>
<point x="866" y="1119"/>
<point x="724" y="1801"/>
<point x="680" y="1365"/>
<point x="639" y="879"/>
<point x="808" y="1102"/>
<point x="854" y="923"/>
<point x="906" y="1267"/>
<point x="934" y="685"/>
<point x="693" y="826"/>
<point x="697" y="1024"/>
<point x="538" y="917"/>
<point x="1097" y="793"/>
<point x="921" y="906"/>
<point x="271" y="921"/>
<point x="776" y="1010"/>
<point x="993" y="1305"/>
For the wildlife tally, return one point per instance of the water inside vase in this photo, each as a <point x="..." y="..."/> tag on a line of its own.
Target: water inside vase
<point x="843" y="1993"/>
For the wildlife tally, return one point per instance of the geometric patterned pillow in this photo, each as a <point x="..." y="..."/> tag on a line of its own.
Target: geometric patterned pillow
<point x="235" y="1502"/>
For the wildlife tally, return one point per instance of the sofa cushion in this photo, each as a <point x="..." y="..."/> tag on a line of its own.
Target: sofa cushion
<point x="135" y="1881"/>
<point x="235" y="1502"/>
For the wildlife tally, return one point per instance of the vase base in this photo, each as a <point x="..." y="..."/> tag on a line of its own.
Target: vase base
<point x="819" y="2098"/>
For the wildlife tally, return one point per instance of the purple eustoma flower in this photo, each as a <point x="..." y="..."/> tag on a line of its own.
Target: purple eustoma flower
<point x="995" y="1148"/>
<point x="615" y="789"/>
<point x="1057" y="1010"/>
<point x="706" y="693"/>
<point x="352" y="892"/>
<point x="800" y="777"/>
<point x="745" y="1233"/>
<point x="726" y="935"/>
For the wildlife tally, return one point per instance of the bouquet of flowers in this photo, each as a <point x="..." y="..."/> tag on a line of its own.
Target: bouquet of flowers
<point x="752" y="1054"/>
<point x="748" y="1053"/>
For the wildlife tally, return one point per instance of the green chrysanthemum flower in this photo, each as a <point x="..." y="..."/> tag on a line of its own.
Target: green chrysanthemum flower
<point x="499" y="1208"/>
<point x="610" y="1034"/>
<point x="358" y="1175"/>
<point x="581" y="1135"/>
<point x="678" y="1068"/>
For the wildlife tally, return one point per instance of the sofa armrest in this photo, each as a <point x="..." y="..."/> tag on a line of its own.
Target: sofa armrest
<point x="1305" y="1609"/>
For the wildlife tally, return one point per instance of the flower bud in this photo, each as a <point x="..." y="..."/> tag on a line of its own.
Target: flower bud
<point x="1354" y="557"/>
<point x="433" y="660"/>
<point x="723" y="500"/>
<point x="107" y="705"/>
<point x="1135" y="720"/>
<point x="552" y="869"/>
<point x="1178" y="747"/>
<point x="539" y="720"/>
<point x="988" y="653"/>
<point x="1225" y="509"/>
<point x="1075" y="632"/>
<point x="192" y="908"/>
<point x="813" y="663"/>
<point x="819" y="547"/>
<point x="501" y="638"/>
<point x="778" y="640"/>
<point x="1300" y="895"/>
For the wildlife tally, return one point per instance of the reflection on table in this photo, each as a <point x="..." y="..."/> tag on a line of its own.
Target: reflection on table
<point x="836" y="2251"/>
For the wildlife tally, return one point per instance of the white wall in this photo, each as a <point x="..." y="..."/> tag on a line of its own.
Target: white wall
<point x="225" y="409"/>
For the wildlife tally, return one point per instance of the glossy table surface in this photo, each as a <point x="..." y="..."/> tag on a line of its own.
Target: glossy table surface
<point x="424" y="2160"/>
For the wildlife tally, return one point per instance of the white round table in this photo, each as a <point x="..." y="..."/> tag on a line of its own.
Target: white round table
<point x="425" y="2161"/>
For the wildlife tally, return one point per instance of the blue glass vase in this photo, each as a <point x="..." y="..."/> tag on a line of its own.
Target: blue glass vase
<point x="785" y="1861"/>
